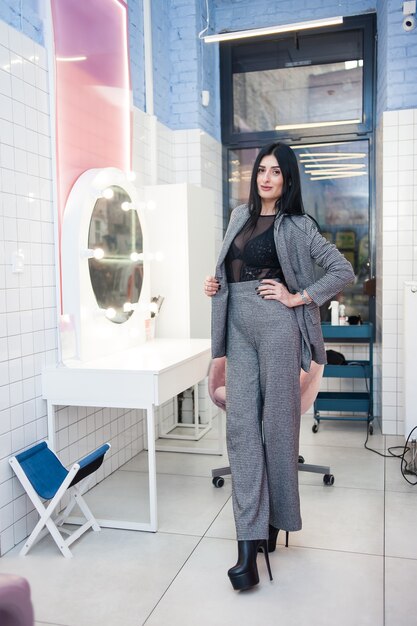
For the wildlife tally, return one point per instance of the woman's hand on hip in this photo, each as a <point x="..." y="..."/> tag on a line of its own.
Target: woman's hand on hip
<point x="271" y="289"/>
<point x="211" y="286"/>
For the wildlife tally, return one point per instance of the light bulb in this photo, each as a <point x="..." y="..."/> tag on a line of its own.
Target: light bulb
<point x="153" y="307"/>
<point x="108" y="193"/>
<point x="98" y="253"/>
<point x="110" y="313"/>
<point x="92" y="253"/>
<point x="126" y="206"/>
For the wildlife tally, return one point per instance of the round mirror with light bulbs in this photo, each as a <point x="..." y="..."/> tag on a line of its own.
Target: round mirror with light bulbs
<point x="116" y="264"/>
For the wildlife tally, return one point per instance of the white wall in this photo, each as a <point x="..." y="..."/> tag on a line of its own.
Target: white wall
<point x="27" y="301"/>
<point x="396" y="251"/>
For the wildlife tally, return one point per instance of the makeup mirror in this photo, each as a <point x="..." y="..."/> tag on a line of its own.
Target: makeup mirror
<point x="116" y="269"/>
<point x="105" y="266"/>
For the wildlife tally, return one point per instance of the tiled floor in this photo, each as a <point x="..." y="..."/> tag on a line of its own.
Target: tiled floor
<point x="353" y="564"/>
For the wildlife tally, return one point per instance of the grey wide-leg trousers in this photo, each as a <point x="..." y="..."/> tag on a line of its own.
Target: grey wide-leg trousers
<point x="263" y="411"/>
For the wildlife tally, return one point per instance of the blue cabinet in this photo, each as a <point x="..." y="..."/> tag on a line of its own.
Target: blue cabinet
<point x="358" y="403"/>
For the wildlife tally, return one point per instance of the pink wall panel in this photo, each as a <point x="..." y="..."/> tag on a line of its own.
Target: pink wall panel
<point x="93" y="92"/>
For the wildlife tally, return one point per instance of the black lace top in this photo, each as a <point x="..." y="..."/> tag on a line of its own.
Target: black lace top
<point x="252" y="255"/>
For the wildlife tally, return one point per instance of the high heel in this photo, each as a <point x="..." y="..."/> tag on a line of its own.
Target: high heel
<point x="273" y="536"/>
<point x="244" y="574"/>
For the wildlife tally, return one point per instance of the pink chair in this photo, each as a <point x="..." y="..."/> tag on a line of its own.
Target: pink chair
<point x="15" y="604"/>
<point x="310" y="385"/>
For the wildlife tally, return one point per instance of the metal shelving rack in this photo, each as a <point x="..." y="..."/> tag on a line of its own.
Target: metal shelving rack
<point x="347" y="401"/>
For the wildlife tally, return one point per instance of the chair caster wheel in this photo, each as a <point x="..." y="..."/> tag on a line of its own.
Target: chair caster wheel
<point x="301" y="459"/>
<point x="315" y="428"/>
<point x="371" y="429"/>
<point x="218" y="481"/>
<point x="328" y="479"/>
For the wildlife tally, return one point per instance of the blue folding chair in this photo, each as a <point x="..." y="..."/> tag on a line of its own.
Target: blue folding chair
<point x="45" y="478"/>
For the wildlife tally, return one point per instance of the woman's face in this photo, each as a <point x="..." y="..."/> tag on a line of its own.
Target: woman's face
<point x="269" y="178"/>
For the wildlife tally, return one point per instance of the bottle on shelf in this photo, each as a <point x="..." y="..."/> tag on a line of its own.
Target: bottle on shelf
<point x="343" y="320"/>
<point x="334" y="306"/>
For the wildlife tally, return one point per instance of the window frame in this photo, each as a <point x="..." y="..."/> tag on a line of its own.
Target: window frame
<point x="366" y="23"/>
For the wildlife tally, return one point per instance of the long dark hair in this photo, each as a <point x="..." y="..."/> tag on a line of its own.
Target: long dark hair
<point x="291" y="202"/>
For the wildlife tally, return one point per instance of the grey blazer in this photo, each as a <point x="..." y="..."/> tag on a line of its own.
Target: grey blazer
<point x="299" y="247"/>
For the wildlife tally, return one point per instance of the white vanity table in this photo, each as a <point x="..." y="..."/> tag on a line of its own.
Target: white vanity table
<point x="139" y="378"/>
<point x="122" y="246"/>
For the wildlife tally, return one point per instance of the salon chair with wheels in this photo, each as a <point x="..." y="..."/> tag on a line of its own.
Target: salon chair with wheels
<point x="309" y="383"/>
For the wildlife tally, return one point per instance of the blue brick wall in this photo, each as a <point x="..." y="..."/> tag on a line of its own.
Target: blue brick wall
<point x="401" y="62"/>
<point x="241" y="14"/>
<point x="209" y="76"/>
<point x="185" y="67"/>
<point x="382" y="58"/>
<point x="23" y="16"/>
<point x="137" y="62"/>
<point x="162" y="62"/>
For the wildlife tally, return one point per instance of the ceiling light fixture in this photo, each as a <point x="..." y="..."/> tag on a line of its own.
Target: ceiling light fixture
<point x="315" y="124"/>
<point x="341" y="166"/>
<point x="272" y="30"/>
<point x="333" y="155"/>
<point x="319" y="145"/>
<point x="331" y="171"/>
<point x="329" y="176"/>
<point x="70" y="59"/>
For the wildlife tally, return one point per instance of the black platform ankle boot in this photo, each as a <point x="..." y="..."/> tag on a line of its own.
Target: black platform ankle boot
<point x="273" y="536"/>
<point x="244" y="574"/>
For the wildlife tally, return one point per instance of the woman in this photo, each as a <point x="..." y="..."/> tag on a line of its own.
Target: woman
<point x="266" y="320"/>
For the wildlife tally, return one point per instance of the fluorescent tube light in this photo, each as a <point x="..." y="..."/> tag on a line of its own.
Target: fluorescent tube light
<point x="341" y="166"/>
<point x="272" y="30"/>
<point x="71" y="59"/>
<point x="325" y="156"/>
<point x="337" y="175"/>
<point x="315" y="124"/>
<point x="319" y="145"/>
<point x="335" y="172"/>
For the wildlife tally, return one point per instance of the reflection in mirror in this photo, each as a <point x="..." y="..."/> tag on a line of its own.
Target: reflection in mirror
<point x="117" y="272"/>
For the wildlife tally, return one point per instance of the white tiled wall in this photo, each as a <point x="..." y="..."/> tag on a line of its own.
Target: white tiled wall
<point x="27" y="300"/>
<point x="198" y="160"/>
<point x="397" y="252"/>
